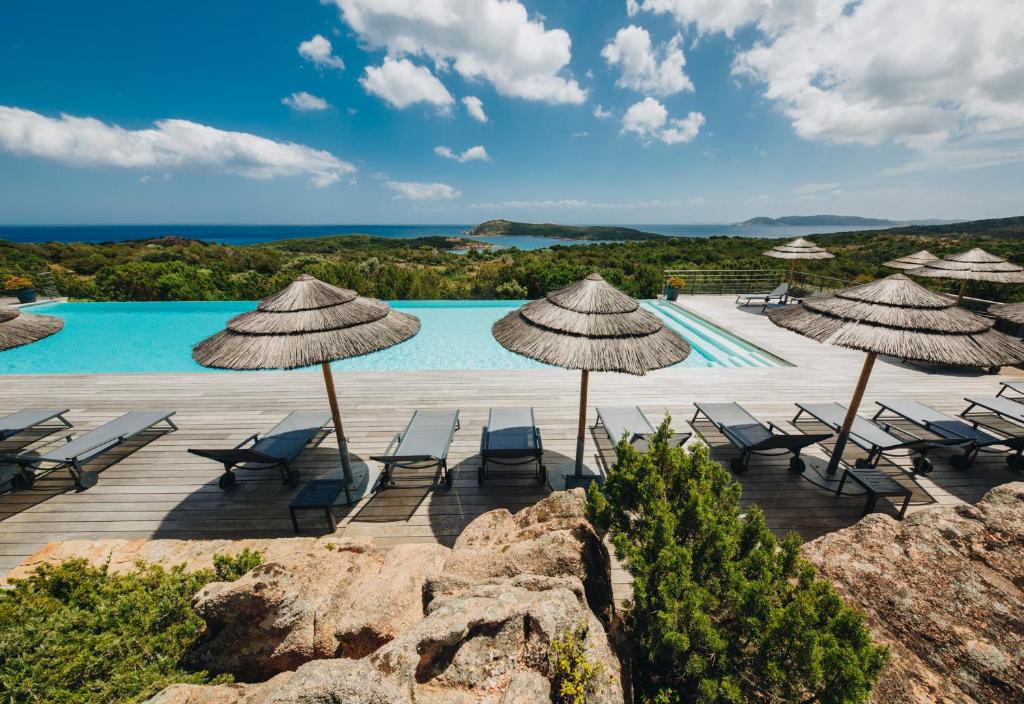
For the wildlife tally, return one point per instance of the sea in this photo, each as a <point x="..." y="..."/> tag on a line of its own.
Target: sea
<point x="256" y="234"/>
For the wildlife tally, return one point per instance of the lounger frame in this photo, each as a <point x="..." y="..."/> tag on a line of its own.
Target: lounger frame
<point x="639" y="439"/>
<point x="391" y="461"/>
<point x="764" y="298"/>
<point x="53" y="414"/>
<point x="511" y="457"/>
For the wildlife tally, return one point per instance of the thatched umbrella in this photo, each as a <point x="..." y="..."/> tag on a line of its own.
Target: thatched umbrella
<point x="594" y="327"/>
<point x="795" y="250"/>
<point x="973" y="265"/>
<point x="1011" y="313"/>
<point x="17" y="328"/>
<point x="896" y="317"/>
<point x="912" y="261"/>
<point x="308" y="322"/>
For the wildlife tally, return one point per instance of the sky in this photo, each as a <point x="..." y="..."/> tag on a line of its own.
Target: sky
<point x="458" y="111"/>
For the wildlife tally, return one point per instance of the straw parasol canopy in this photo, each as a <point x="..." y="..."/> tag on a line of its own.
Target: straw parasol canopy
<point x="897" y="317"/>
<point x="308" y="322"/>
<point x="912" y="261"/>
<point x="973" y="265"/>
<point x="17" y="328"/>
<point x="1011" y="313"/>
<point x="590" y="326"/>
<point x="798" y="249"/>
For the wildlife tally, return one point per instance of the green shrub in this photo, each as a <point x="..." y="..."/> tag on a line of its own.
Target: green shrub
<point x="722" y="610"/>
<point x="228" y="568"/>
<point x="573" y="677"/>
<point x="74" y="634"/>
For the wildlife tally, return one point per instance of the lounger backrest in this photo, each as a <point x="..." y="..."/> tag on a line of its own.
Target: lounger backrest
<point x="779" y="291"/>
<point x="107" y="434"/>
<point x="833" y="414"/>
<point x="511" y="429"/>
<point x="734" y="420"/>
<point x="937" y="421"/>
<point x="285" y="440"/>
<point x="428" y="434"/>
<point x="23" y="420"/>
<point x="1001" y="405"/>
<point x="624" y="420"/>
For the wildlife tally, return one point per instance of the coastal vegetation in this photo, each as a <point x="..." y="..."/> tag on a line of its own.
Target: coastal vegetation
<point x="79" y="634"/>
<point x="173" y="268"/>
<point x="722" y="610"/>
<point x="499" y="228"/>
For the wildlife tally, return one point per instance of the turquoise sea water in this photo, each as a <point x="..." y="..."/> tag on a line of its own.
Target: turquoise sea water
<point x="158" y="337"/>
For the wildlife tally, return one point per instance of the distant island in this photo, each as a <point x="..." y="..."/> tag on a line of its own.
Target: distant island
<point x="508" y="228"/>
<point x="815" y="220"/>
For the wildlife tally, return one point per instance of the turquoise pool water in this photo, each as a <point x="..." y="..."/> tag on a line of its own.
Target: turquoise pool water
<point x="158" y="337"/>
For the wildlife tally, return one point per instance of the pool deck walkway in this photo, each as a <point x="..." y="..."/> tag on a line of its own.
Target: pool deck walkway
<point x="152" y="488"/>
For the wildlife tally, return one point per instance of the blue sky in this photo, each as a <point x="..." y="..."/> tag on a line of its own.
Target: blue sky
<point x="640" y="111"/>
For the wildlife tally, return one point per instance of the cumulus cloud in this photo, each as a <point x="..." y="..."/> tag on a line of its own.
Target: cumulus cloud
<point x="491" y="40"/>
<point x="601" y="114"/>
<point x="477" y="153"/>
<point x="475" y="108"/>
<point x="318" y="50"/>
<point x="401" y="83"/>
<point x="305" y="102"/>
<point x="415" y="190"/>
<point x="916" y="72"/>
<point x="649" y="120"/>
<point x="169" y="144"/>
<point x="641" y="68"/>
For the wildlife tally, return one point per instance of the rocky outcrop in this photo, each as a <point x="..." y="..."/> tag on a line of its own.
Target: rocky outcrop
<point x="944" y="589"/>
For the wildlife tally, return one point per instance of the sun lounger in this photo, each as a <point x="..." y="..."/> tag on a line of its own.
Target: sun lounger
<point x="76" y="452"/>
<point x="777" y="294"/>
<point x="1016" y="387"/>
<point x="875" y="483"/>
<point x="998" y="405"/>
<point x="30" y="418"/>
<point x="277" y="448"/>
<point x="424" y="443"/>
<point x="629" y="422"/>
<point x="511" y="437"/>
<point x="975" y="439"/>
<point x="751" y="437"/>
<point x="876" y="439"/>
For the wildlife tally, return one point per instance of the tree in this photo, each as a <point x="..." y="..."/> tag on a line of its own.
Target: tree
<point x="722" y="610"/>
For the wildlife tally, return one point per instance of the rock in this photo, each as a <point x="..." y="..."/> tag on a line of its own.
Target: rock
<point x="321" y="601"/>
<point x="551" y="538"/>
<point x="943" y="589"/>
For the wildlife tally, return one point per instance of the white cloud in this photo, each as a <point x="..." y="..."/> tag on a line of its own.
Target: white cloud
<point x="414" y="190"/>
<point x="975" y="152"/>
<point x="649" y="120"/>
<point x="305" y="102"/>
<point x="318" y="50"/>
<point x="584" y="133"/>
<point x="812" y="188"/>
<point x="491" y="40"/>
<point x="402" y="83"/>
<point x="169" y="144"/>
<point x="475" y="108"/>
<point x="916" y="72"/>
<point x="642" y="70"/>
<point x="601" y="114"/>
<point x="477" y="153"/>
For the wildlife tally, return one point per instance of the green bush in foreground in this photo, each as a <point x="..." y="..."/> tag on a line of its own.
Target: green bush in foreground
<point x="573" y="676"/>
<point x="72" y="633"/>
<point x="722" y="610"/>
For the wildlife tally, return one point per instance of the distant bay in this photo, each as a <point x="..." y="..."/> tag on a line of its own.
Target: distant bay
<point x="255" y="234"/>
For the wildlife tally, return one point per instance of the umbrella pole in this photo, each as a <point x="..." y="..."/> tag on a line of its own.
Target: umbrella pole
<point x="332" y="398"/>
<point x="581" y="432"/>
<point x="963" y="288"/>
<point x="851" y="414"/>
<point x="792" y="271"/>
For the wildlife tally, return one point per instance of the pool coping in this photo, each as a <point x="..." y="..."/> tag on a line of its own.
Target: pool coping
<point x="727" y="328"/>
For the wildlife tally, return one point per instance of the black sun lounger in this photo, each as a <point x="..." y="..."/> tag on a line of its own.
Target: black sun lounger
<point x="30" y="418"/>
<point x="511" y="437"/>
<point x="779" y="293"/>
<point x="277" y="448"/>
<point x="751" y="437"/>
<point x="424" y="443"/>
<point x="876" y="439"/>
<point x="75" y="453"/>
<point x="629" y="422"/>
<point x="976" y="439"/>
<point x="998" y="405"/>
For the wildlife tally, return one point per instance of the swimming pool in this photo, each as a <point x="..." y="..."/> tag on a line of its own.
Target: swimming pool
<point x="158" y="337"/>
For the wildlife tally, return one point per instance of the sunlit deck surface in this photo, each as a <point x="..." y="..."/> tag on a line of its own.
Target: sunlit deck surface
<point x="152" y="488"/>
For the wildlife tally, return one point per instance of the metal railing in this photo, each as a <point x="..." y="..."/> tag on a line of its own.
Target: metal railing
<point x="736" y="281"/>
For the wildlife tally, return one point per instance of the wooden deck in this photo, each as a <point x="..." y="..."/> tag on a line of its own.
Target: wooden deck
<point x="152" y="488"/>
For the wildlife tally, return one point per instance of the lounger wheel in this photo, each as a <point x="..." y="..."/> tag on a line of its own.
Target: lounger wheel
<point x="1015" y="462"/>
<point x="924" y="465"/>
<point x="862" y="463"/>
<point x="293" y="477"/>
<point x="960" y="462"/>
<point x="87" y="480"/>
<point x="736" y="465"/>
<point x="797" y="465"/>
<point x="22" y="481"/>
<point x="227" y="481"/>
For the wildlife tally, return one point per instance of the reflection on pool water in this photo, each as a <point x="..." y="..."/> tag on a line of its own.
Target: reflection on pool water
<point x="158" y="337"/>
